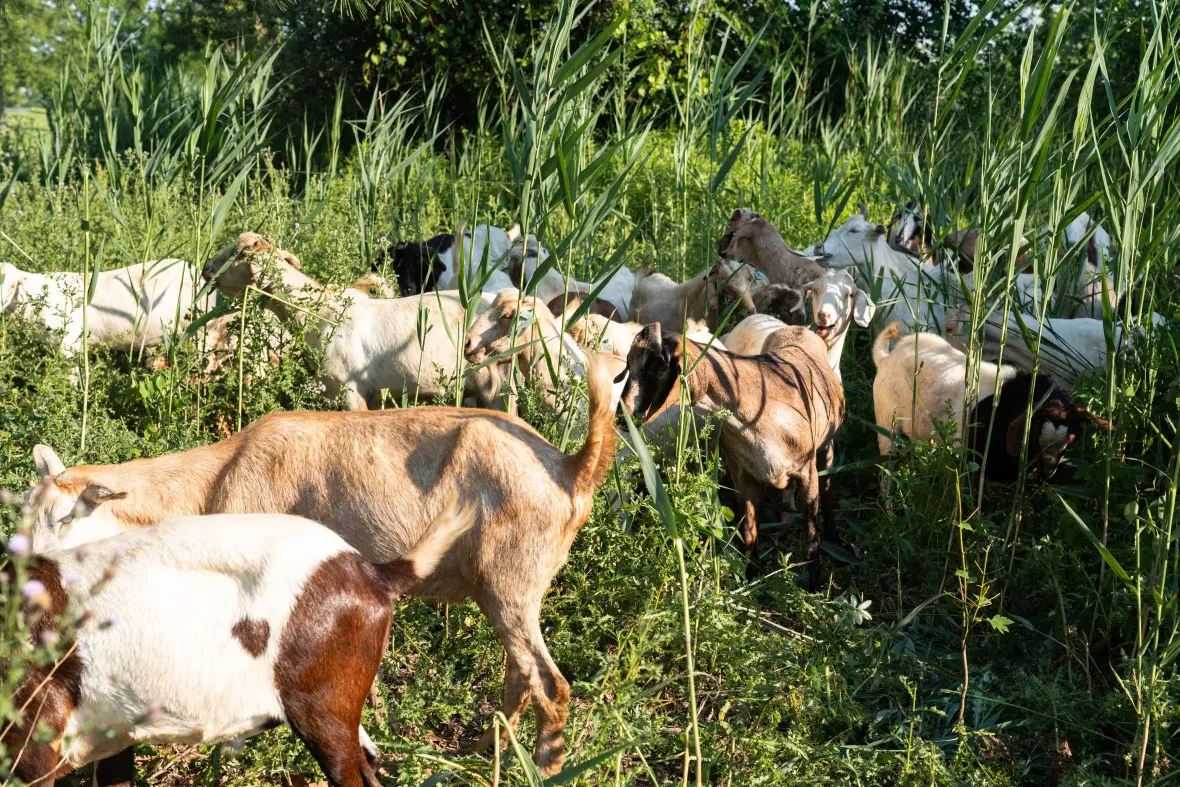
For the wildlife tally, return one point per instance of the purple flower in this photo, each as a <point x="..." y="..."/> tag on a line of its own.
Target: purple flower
<point x="32" y="589"/>
<point x="19" y="544"/>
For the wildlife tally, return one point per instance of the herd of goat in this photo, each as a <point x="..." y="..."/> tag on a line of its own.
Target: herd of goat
<point x="217" y="592"/>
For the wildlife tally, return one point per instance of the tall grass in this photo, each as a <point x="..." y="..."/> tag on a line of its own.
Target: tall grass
<point x="1001" y="618"/>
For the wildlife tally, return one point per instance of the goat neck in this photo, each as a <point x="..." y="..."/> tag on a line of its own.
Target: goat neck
<point x="712" y="377"/>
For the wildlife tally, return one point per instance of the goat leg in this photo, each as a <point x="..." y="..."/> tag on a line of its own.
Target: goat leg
<point x="118" y="770"/>
<point x="824" y="459"/>
<point x="750" y="491"/>
<point x="807" y="495"/>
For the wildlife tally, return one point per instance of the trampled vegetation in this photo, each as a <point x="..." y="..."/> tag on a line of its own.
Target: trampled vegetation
<point x="967" y="633"/>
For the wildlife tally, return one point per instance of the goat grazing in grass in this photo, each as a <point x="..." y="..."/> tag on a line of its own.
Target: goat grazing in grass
<point x="377" y="478"/>
<point x="921" y="378"/>
<point x="206" y="629"/>
<point x="783" y="409"/>
<point x="132" y="308"/>
<point x="379" y="343"/>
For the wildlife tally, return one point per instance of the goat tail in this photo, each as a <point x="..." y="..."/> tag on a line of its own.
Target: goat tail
<point x="881" y="348"/>
<point x="589" y="467"/>
<point x="401" y="574"/>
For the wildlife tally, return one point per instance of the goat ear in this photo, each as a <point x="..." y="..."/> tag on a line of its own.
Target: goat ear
<point x="1098" y="421"/>
<point x="863" y="309"/>
<point x="1093" y="254"/>
<point x="97" y="494"/>
<point x="650" y="336"/>
<point x="1015" y="434"/>
<point x="809" y="287"/>
<point x="47" y="461"/>
<point x="291" y="259"/>
<point x="514" y="232"/>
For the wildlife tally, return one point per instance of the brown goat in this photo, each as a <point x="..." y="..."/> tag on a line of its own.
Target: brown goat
<point x="784" y="407"/>
<point x="377" y="478"/>
<point x="751" y="238"/>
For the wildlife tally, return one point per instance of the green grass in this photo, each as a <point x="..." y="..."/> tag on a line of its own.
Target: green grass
<point x="1069" y="655"/>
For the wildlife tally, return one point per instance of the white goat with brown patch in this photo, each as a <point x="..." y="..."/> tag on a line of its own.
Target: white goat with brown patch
<point x="377" y="479"/>
<point x="784" y="407"/>
<point x="206" y="629"/>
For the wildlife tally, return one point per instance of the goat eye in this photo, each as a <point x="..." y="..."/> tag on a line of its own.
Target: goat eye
<point x="67" y="519"/>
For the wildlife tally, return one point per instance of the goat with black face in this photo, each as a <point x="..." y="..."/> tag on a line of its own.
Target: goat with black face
<point x="415" y="263"/>
<point x="784" y="407"/>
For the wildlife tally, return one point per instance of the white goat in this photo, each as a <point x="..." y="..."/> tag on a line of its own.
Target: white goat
<point x="377" y="343"/>
<point x="914" y="293"/>
<point x="1068" y="347"/>
<point x="133" y="308"/>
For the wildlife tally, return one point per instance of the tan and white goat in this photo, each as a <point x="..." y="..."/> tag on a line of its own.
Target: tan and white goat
<point x="659" y="299"/>
<point x="377" y="478"/>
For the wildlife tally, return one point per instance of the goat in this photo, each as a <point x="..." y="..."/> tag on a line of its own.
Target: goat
<point x="208" y="628"/>
<point x="415" y="263"/>
<point x="784" y="407"/>
<point x="752" y="239"/>
<point x="908" y="230"/>
<point x="400" y="344"/>
<point x="567" y="303"/>
<point x="922" y="377"/>
<point x="486" y="249"/>
<point x="377" y="478"/>
<point x="521" y="324"/>
<point x="836" y="301"/>
<point x="522" y="269"/>
<point x="1065" y="347"/>
<point x="604" y="335"/>
<point x="781" y="301"/>
<point x="1084" y="290"/>
<point x="659" y="299"/>
<point x="921" y="293"/>
<point x="132" y="308"/>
